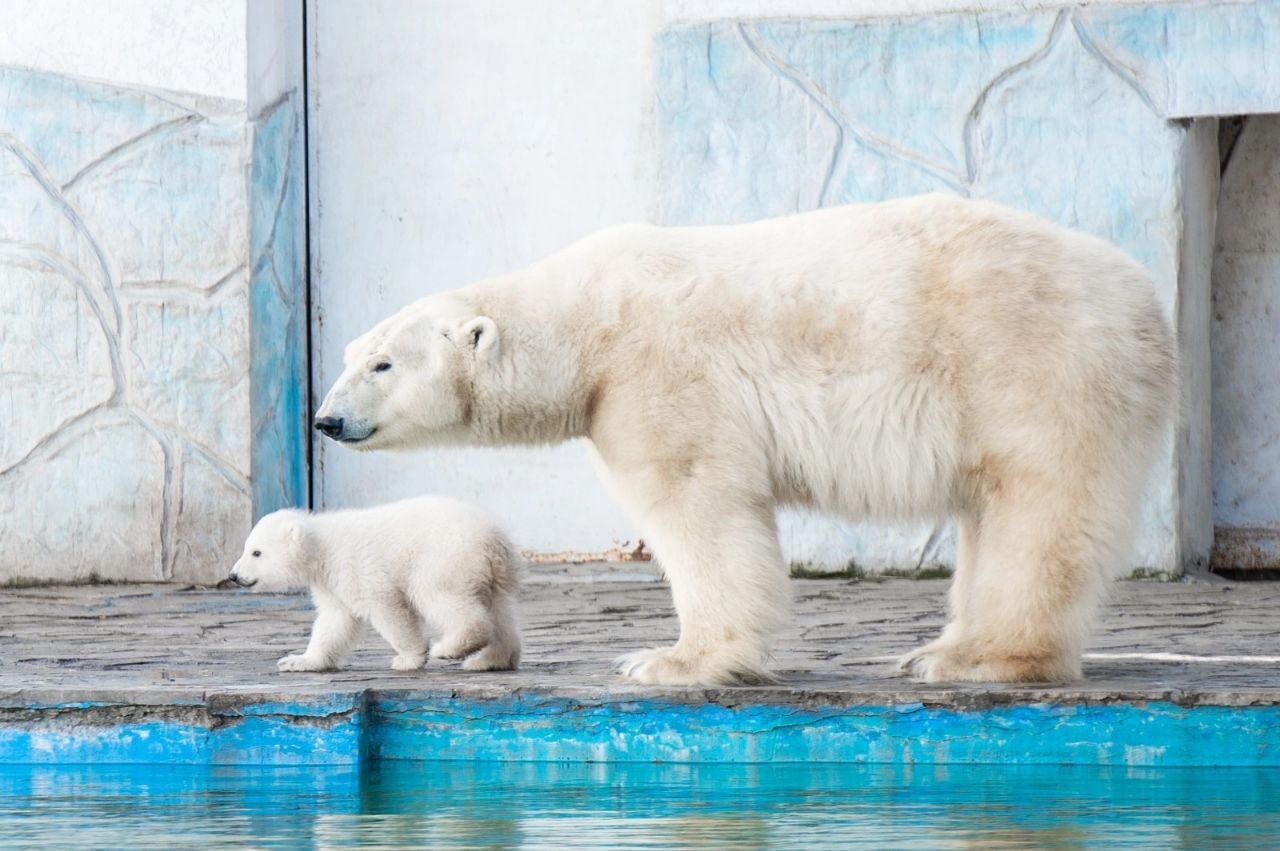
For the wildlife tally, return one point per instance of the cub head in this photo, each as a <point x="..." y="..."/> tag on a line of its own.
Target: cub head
<point x="273" y="557"/>
<point x="406" y="382"/>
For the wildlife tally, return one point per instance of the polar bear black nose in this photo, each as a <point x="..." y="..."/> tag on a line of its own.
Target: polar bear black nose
<point x="329" y="426"/>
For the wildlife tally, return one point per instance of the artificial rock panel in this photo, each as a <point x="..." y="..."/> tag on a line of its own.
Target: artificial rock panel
<point x="126" y="332"/>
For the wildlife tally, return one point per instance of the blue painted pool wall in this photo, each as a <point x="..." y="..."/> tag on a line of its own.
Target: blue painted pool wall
<point x="324" y="732"/>
<point x="349" y="729"/>
<point x="651" y="731"/>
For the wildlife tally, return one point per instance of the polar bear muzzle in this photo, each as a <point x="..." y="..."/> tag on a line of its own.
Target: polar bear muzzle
<point x="336" y="428"/>
<point x="330" y="427"/>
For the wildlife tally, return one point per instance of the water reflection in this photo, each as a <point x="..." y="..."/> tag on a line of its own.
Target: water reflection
<point x="538" y="805"/>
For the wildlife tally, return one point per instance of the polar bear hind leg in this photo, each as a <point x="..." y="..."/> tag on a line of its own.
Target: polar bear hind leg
<point x="1043" y="552"/>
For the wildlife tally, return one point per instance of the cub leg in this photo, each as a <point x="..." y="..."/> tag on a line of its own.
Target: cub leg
<point x="397" y="622"/>
<point x="467" y="626"/>
<point x="332" y="635"/>
<point x="502" y="652"/>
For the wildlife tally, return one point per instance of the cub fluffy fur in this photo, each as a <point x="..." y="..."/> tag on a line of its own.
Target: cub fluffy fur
<point x="926" y="357"/>
<point x="409" y="568"/>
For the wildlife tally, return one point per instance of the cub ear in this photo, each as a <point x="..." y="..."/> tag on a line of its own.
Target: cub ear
<point x="296" y="533"/>
<point x="479" y="334"/>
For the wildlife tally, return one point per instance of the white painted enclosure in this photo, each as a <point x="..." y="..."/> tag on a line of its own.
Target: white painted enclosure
<point x="450" y="141"/>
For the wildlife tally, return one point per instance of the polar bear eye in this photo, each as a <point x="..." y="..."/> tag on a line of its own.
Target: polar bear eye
<point x="382" y="367"/>
<point x="257" y="553"/>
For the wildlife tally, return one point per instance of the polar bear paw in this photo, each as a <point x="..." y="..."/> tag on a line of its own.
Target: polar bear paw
<point x="920" y="660"/>
<point x="408" y="661"/>
<point x="939" y="662"/>
<point x="926" y="664"/>
<point x="668" y="666"/>
<point x="303" y="662"/>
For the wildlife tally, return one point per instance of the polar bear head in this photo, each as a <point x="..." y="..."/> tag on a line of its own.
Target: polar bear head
<point x="407" y="381"/>
<point x="274" y="557"/>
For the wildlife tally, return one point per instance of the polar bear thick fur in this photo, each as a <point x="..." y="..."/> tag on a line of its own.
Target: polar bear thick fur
<point x="421" y="566"/>
<point x="914" y="359"/>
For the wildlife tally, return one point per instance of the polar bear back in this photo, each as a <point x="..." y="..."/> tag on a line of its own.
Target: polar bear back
<point x="434" y="542"/>
<point x="869" y="354"/>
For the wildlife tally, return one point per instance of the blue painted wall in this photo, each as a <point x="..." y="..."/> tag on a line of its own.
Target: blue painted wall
<point x="278" y="292"/>
<point x="349" y="728"/>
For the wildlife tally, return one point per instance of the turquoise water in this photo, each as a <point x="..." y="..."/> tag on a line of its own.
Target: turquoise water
<point x="541" y="805"/>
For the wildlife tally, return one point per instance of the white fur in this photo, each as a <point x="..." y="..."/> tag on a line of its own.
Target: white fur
<point x="410" y="568"/>
<point x="920" y="358"/>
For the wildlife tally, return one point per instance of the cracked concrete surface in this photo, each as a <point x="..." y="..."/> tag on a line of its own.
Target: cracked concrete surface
<point x="138" y="645"/>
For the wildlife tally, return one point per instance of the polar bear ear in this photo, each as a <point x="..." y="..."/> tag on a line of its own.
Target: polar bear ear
<point x="480" y="334"/>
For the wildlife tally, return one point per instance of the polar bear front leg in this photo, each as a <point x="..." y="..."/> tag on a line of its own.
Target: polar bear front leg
<point x="721" y="555"/>
<point x="332" y="635"/>
<point x="397" y="622"/>
<point x="958" y="598"/>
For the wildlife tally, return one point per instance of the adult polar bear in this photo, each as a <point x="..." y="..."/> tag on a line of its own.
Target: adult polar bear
<point x="917" y="358"/>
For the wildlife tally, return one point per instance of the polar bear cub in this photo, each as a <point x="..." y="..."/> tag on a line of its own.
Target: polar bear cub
<point x="420" y="566"/>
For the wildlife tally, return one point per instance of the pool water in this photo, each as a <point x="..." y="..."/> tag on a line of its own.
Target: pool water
<point x="550" y="805"/>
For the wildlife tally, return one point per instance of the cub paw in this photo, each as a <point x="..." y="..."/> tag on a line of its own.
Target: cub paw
<point x="492" y="658"/>
<point x="405" y="662"/>
<point x="302" y="662"/>
<point x="447" y="651"/>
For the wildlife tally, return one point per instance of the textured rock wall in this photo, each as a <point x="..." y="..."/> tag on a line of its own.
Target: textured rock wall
<point x="131" y="310"/>
<point x="1066" y="113"/>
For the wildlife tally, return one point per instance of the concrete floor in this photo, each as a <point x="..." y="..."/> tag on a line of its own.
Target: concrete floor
<point x="1186" y="643"/>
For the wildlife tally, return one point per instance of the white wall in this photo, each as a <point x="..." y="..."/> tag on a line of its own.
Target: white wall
<point x="195" y="46"/>
<point x="707" y="10"/>
<point x="1246" y="348"/>
<point x="456" y="140"/>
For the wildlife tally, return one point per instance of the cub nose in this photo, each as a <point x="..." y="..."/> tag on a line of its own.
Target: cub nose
<point x="329" y="426"/>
